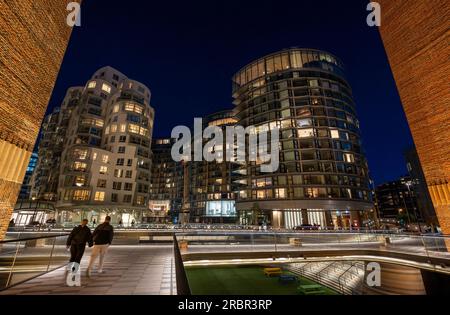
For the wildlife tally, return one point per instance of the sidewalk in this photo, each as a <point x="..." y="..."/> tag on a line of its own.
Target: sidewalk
<point x="128" y="270"/>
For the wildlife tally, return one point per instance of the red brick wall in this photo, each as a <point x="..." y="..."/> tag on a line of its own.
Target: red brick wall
<point x="415" y="35"/>
<point x="33" y="39"/>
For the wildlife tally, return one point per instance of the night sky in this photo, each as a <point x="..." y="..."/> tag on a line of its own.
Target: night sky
<point x="187" y="51"/>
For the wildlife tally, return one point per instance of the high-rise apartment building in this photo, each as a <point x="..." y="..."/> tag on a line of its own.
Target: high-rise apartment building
<point x="415" y="35"/>
<point x="396" y="200"/>
<point x="166" y="183"/>
<point x="34" y="37"/>
<point x="25" y="190"/>
<point x="98" y="145"/>
<point x="323" y="175"/>
<point x="212" y="183"/>
<point x="45" y="178"/>
<point x="419" y="186"/>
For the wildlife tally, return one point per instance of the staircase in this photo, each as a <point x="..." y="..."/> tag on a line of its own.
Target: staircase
<point x="344" y="277"/>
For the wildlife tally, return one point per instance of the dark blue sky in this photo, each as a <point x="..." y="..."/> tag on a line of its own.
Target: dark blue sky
<point x="187" y="51"/>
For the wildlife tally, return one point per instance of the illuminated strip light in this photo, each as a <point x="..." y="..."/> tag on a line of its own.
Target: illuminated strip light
<point x="283" y="260"/>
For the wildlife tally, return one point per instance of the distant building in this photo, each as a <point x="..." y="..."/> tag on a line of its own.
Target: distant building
<point x="25" y="190"/>
<point x="213" y="199"/>
<point x="396" y="200"/>
<point x="419" y="186"/>
<point x="166" y="184"/>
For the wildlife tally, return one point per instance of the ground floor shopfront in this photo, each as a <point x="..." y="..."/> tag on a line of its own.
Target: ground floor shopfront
<point x="321" y="215"/>
<point x="70" y="216"/>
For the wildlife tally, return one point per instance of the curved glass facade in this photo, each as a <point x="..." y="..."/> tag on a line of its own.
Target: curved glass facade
<point x="323" y="174"/>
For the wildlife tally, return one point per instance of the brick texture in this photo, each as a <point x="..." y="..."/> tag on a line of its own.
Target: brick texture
<point x="33" y="40"/>
<point x="415" y="36"/>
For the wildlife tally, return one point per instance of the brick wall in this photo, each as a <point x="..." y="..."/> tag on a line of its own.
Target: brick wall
<point x="415" y="35"/>
<point x="33" y="40"/>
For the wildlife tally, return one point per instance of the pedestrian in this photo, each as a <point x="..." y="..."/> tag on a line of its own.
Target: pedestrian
<point x="102" y="237"/>
<point x="132" y="224"/>
<point x="77" y="240"/>
<point x="94" y="222"/>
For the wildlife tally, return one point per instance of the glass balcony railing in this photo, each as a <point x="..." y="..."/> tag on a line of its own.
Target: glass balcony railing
<point x="22" y="259"/>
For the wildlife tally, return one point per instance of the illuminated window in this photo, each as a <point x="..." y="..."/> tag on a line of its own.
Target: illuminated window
<point x="80" y="181"/>
<point x="107" y="131"/>
<point x="113" y="128"/>
<point x="92" y="85"/>
<point x="349" y="158"/>
<point x="133" y="108"/>
<point x="116" y="109"/>
<point x="103" y="169"/>
<point x="280" y="193"/>
<point x="305" y="133"/>
<point x="123" y="127"/>
<point x="334" y="134"/>
<point x="99" y="123"/>
<point x="78" y="166"/>
<point x="133" y="128"/>
<point x="129" y="107"/>
<point x="140" y="200"/>
<point x="94" y="156"/>
<point x="106" y="88"/>
<point x="99" y="196"/>
<point x="80" y="195"/>
<point x="304" y="122"/>
<point x="80" y="154"/>
<point x="105" y="158"/>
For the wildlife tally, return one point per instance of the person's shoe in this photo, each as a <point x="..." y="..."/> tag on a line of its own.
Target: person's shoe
<point x="88" y="273"/>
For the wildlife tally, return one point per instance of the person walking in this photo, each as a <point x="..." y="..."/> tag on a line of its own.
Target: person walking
<point x="102" y="237"/>
<point x="77" y="240"/>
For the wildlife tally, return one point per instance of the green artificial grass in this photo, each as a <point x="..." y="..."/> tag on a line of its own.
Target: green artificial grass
<point x="241" y="281"/>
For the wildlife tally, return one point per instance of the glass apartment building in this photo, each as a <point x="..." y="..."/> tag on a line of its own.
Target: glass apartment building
<point x="212" y="196"/>
<point x="166" y="184"/>
<point x="323" y="177"/>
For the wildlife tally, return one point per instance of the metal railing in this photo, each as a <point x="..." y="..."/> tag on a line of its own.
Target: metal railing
<point x="22" y="259"/>
<point x="180" y="273"/>
<point x="425" y="249"/>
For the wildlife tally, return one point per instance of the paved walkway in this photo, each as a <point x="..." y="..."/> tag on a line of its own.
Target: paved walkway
<point x="141" y="270"/>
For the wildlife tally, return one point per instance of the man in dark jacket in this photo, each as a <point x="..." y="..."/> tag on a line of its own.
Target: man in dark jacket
<point x="77" y="241"/>
<point x="102" y="237"/>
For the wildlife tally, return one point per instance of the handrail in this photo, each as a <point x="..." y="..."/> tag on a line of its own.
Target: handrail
<point x="345" y="271"/>
<point x="45" y="267"/>
<point x="33" y="238"/>
<point x="180" y="273"/>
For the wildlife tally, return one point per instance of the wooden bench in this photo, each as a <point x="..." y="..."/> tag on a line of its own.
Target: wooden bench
<point x="312" y="289"/>
<point x="272" y="272"/>
<point x="183" y="245"/>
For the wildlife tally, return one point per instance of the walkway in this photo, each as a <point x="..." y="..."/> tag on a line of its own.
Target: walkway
<point x="137" y="270"/>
